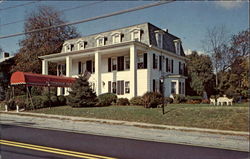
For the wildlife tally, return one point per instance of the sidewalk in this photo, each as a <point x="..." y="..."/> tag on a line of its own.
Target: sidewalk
<point x="232" y="140"/>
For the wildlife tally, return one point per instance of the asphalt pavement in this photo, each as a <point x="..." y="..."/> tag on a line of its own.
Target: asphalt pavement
<point x="19" y="142"/>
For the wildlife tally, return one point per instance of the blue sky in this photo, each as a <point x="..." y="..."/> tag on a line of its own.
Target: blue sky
<point x="185" y="19"/>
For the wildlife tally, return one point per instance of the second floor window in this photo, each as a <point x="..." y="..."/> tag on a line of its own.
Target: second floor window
<point x="127" y="87"/>
<point x="61" y="69"/>
<point x="127" y="63"/>
<point x="159" y="39"/>
<point x="155" y="61"/>
<point x="114" y="63"/>
<point x="142" y="61"/>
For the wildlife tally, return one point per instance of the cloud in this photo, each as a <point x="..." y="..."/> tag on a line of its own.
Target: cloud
<point x="229" y="4"/>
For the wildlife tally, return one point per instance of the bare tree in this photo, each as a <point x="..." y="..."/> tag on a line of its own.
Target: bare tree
<point x="216" y="43"/>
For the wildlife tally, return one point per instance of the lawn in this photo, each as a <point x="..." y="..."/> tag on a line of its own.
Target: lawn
<point x="191" y="115"/>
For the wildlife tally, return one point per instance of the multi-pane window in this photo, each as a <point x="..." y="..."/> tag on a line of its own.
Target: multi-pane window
<point x="173" y="87"/>
<point x="140" y="61"/>
<point x="167" y="65"/>
<point x="114" y="63"/>
<point x="136" y="34"/>
<point x="120" y="87"/>
<point x="114" y="87"/>
<point x="116" y="38"/>
<point x="127" y="87"/>
<point x="61" y="69"/>
<point x="127" y="62"/>
<point x="159" y="39"/>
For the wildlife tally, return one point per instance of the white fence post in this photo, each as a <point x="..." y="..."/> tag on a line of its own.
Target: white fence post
<point x="6" y="107"/>
<point x="17" y="108"/>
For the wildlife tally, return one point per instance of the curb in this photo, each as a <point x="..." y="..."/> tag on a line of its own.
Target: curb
<point x="128" y="123"/>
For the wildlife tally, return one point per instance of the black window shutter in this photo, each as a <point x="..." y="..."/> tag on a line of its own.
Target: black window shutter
<point x="109" y="86"/>
<point x="120" y="62"/>
<point x="179" y="67"/>
<point x="154" y="61"/>
<point x="153" y="85"/>
<point x="145" y="60"/>
<point x="160" y="61"/>
<point x="166" y="64"/>
<point x="122" y="87"/>
<point x="109" y="65"/>
<point x="172" y="66"/>
<point x="118" y="87"/>
<point x="79" y="67"/>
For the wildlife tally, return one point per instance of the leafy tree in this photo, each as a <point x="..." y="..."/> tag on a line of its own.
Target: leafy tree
<point x="200" y="74"/>
<point x="81" y="94"/>
<point x="234" y="80"/>
<point x="42" y="42"/>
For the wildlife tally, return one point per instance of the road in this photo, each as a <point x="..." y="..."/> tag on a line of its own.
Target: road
<point x="19" y="142"/>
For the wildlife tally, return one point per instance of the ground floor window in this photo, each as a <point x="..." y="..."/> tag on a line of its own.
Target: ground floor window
<point x="127" y="87"/>
<point x="173" y="87"/>
<point x="114" y="87"/>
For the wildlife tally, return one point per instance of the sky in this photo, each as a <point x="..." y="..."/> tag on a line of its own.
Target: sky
<point x="187" y="20"/>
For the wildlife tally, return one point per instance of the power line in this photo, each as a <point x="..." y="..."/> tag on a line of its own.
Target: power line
<point x="89" y="19"/>
<point x="19" y="5"/>
<point x="64" y="10"/>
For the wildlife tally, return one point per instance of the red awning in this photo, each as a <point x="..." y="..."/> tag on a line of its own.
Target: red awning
<point x="32" y="79"/>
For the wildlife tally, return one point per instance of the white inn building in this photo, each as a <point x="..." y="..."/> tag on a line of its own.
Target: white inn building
<point x="128" y="61"/>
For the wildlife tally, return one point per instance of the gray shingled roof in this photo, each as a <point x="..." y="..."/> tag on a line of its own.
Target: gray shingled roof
<point x="147" y="37"/>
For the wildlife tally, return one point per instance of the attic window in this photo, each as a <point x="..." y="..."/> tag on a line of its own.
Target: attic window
<point x="136" y="34"/>
<point x="177" y="44"/>
<point x="81" y="45"/>
<point x="100" y="41"/>
<point x="116" y="38"/>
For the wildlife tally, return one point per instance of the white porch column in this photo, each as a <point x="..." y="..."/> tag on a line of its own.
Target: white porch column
<point x="68" y="66"/>
<point x="133" y="71"/>
<point x="45" y="67"/>
<point x="98" y="72"/>
<point x="68" y="71"/>
<point x="149" y="71"/>
<point x="177" y="87"/>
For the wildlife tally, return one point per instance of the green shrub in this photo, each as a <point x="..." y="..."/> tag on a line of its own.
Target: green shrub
<point x="21" y="101"/>
<point x="40" y="102"/>
<point x="62" y="100"/>
<point x="168" y="100"/>
<point x="136" y="100"/>
<point x="122" y="101"/>
<point x="179" y="99"/>
<point x="106" y="99"/>
<point x="54" y="101"/>
<point x="152" y="99"/>
<point x="81" y="93"/>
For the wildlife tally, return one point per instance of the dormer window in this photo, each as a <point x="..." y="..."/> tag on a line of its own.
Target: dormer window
<point x="68" y="47"/>
<point x="100" y="41"/>
<point x="116" y="38"/>
<point x="81" y="45"/>
<point x="136" y="34"/>
<point x="177" y="44"/>
<point x="159" y="38"/>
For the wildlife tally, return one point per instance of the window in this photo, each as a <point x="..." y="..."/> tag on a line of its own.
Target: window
<point x="80" y="68"/>
<point x="172" y="66"/>
<point x="120" y="87"/>
<point x="109" y="86"/>
<point x="100" y="40"/>
<point x="61" y="69"/>
<point x="154" y="86"/>
<point x="159" y="39"/>
<point x="114" y="63"/>
<point x="116" y="38"/>
<point x="173" y="87"/>
<point x="127" y="62"/>
<point x="127" y="87"/>
<point x="160" y="62"/>
<point x="136" y="34"/>
<point x="167" y="66"/>
<point x="80" y="45"/>
<point x="89" y="66"/>
<point x="156" y="62"/>
<point x="114" y="87"/>
<point x="72" y="46"/>
<point x="177" y="44"/>
<point x="142" y="60"/>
